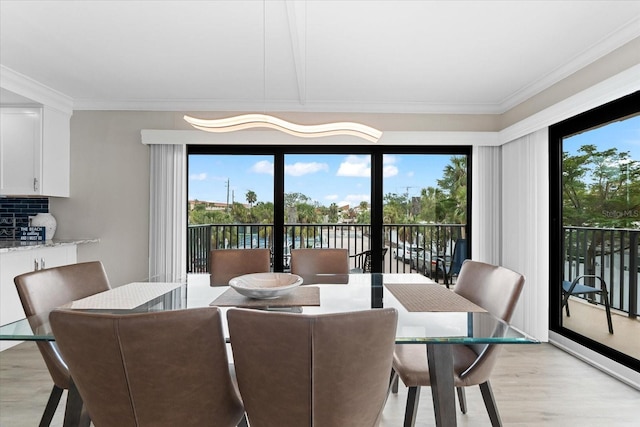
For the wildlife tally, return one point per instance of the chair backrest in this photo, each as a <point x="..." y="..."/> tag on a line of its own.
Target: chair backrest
<point x="458" y="257"/>
<point x="150" y="369"/>
<point x="366" y="262"/>
<point x="497" y="290"/>
<point x="225" y="264"/>
<point x="43" y="290"/>
<point x="313" y="370"/>
<point x="311" y="264"/>
<point x="366" y="265"/>
<point x="494" y="288"/>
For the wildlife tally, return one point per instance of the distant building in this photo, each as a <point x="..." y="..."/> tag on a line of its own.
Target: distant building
<point x="212" y="206"/>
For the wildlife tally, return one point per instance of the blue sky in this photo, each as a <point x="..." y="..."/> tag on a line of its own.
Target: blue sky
<point x="336" y="178"/>
<point x="623" y="135"/>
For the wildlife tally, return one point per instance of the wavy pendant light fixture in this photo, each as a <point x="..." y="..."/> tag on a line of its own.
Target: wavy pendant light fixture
<point x="248" y="121"/>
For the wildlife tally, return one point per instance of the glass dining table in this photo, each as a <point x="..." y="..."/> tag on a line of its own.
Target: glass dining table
<point x="428" y="314"/>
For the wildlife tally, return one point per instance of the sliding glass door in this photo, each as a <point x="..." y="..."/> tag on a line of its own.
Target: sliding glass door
<point x="595" y="258"/>
<point x="371" y="200"/>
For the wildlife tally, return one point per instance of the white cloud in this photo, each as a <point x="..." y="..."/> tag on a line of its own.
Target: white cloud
<point x="358" y="166"/>
<point x="198" y="176"/>
<point x="331" y="197"/>
<point x="300" y="169"/>
<point x="389" y="170"/>
<point x="263" y="166"/>
<point x="389" y="159"/>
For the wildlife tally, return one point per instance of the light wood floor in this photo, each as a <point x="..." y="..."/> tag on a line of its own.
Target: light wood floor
<point x="534" y="385"/>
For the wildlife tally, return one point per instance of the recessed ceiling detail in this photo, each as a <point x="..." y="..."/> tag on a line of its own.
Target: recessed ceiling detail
<point x="350" y="56"/>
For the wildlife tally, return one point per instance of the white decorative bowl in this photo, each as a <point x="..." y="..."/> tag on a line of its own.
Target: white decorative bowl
<point x="265" y="285"/>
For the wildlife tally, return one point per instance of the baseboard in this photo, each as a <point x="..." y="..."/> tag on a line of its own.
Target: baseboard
<point x="598" y="361"/>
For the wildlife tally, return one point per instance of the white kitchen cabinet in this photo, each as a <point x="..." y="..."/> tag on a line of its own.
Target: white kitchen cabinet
<point x="17" y="262"/>
<point x="34" y="152"/>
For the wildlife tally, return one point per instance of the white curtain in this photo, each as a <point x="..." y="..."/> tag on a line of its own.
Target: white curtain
<point x="486" y="205"/>
<point x="168" y="221"/>
<point x="525" y="226"/>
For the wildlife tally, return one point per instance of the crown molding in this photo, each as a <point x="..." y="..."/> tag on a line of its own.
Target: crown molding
<point x="608" y="90"/>
<point x="282" y="106"/>
<point x="35" y="91"/>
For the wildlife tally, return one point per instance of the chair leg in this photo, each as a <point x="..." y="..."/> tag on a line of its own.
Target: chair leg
<point x="52" y="405"/>
<point x="565" y="302"/>
<point x="608" y="310"/>
<point x="393" y="385"/>
<point x="412" y="407"/>
<point x="462" y="398"/>
<point x="75" y="413"/>
<point x="393" y="382"/>
<point x="490" y="404"/>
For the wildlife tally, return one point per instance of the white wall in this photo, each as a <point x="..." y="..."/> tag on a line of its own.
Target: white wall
<point x="110" y="191"/>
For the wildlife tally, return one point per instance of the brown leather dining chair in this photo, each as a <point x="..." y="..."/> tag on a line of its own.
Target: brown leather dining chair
<point x="497" y="290"/>
<point x="152" y="369"/>
<point x="43" y="290"/>
<point x="225" y="264"/>
<point x="326" y="370"/>
<point x="327" y="265"/>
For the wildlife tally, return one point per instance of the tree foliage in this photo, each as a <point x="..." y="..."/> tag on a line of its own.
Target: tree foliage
<point x="445" y="203"/>
<point x="600" y="188"/>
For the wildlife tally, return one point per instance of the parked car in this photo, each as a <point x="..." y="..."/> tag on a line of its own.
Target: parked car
<point x="406" y="253"/>
<point x="428" y="266"/>
<point x="398" y="251"/>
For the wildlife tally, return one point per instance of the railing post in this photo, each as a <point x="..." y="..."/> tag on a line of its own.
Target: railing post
<point x="633" y="274"/>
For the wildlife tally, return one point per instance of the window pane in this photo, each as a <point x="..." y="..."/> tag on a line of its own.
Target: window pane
<point x="601" y="229"/>
<point x="230" y="203"/>
<point x="425" y="209"/>
<point x="326" y="201"/>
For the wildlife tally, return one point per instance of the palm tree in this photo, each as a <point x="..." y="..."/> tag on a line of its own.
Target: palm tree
<point x="251" y="197"/>
<point x="454" y="185"/>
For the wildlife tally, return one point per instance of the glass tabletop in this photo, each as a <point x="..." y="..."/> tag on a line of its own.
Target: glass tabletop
<point x="423" y="315"/>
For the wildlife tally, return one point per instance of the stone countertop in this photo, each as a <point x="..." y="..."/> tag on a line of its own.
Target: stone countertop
<point x="19" y="245"/>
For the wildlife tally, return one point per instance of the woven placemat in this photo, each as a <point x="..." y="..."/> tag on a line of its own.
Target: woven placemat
<point x="125" y="297"/>
<point x="301" y="296"/>
<point x="431" y="298"/>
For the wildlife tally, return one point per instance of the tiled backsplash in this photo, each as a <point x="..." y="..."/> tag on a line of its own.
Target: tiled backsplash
<point x="15" y="213"/>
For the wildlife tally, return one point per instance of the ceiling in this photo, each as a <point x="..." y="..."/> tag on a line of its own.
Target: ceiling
<point x="333" y="56"/>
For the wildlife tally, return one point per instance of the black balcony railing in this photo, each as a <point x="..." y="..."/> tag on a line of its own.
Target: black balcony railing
<point x="611" y="253"/>
<point x="411" y="247"/>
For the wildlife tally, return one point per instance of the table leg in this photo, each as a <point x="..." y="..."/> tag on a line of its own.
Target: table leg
<point x="75" y="415"/>
<point x="440" y="359"/>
